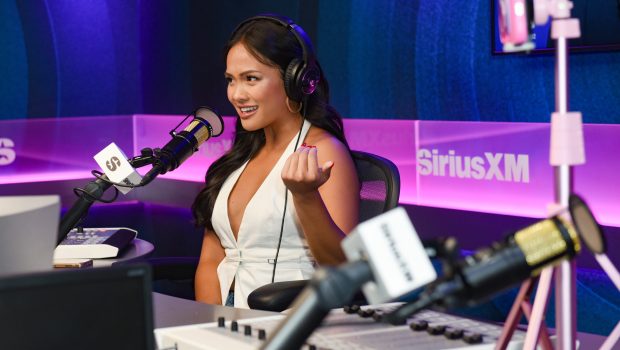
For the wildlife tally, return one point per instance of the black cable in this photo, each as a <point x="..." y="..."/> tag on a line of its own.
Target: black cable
<point x="275" y="259"/>
<point x="80" y="192"/>
<point x="98" y="174"/>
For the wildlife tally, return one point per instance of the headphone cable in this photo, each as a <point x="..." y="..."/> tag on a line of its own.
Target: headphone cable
<point x="275" y="260"/>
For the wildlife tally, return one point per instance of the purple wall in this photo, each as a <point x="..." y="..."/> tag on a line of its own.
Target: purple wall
<point x="488" y="167"/>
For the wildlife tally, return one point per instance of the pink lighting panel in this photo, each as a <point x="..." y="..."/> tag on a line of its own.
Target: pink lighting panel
<point x="490" y="167"/>
<point x="38" y="150"/>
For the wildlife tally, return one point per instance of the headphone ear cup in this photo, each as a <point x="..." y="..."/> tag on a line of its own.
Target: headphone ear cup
<point x="292" y="85"/>
<point x="309" y="79"/>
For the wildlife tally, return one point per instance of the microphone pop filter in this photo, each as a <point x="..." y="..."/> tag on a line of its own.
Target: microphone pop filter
<point x="587" y="227"/>
<point x="211" y="117"/>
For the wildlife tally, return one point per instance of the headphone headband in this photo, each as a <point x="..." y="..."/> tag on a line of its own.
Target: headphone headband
<point x="301" y="76"/>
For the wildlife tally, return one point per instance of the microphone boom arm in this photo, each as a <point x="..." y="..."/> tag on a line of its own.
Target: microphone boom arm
<point x="95" y="189"/>
<point x="206" y="123"/>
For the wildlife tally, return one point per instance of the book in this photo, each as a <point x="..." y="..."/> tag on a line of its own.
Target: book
<point x="72" y="263"/>
<point x="94" y="243"/>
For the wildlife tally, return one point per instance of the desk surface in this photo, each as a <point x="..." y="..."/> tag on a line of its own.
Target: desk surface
<point x="171" y="311"/>
<point x="136" y="250"/>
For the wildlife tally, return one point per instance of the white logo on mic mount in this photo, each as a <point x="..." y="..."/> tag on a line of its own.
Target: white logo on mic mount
<point x="7" y="153"/>
<point x="402" y="264"/>
<point x="113" y="163"/>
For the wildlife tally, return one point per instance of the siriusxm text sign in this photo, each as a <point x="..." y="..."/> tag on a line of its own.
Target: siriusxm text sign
<point x="495" y="167"/>
<point x="489" y="166"/>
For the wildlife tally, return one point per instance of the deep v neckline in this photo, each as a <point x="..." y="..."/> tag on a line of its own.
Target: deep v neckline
<point x="239" y="172"/>
<point x="254" y="195"/>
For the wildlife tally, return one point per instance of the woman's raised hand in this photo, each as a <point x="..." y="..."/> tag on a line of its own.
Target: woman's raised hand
<point x="302" y="174"/>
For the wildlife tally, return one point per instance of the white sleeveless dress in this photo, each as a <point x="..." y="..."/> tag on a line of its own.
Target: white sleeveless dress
<point x="249" y="259"/>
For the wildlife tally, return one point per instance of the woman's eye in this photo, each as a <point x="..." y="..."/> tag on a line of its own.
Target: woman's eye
<point x="228" y="80"/>
<point x="251" y="78"/>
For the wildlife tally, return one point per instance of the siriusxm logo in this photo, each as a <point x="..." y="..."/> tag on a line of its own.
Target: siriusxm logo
<point x="493" y="166"/>
<point x="7" y="153"/>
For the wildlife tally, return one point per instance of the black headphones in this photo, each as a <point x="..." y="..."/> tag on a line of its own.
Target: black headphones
<point x="301" y="76"/>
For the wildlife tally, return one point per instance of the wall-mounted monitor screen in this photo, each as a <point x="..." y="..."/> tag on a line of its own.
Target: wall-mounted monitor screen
<point x="599" y="22"/>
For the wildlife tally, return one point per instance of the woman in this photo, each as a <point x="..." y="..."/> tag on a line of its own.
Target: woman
<point x="285" y="195"/>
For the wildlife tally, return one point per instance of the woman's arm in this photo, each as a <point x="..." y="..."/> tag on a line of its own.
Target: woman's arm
<point x="207" y="284"/>
<point x="326" y="196"/>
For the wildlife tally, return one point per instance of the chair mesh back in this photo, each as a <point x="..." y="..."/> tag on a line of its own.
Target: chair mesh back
<point x="380" y="184"/>
<point x="373" y="190"/>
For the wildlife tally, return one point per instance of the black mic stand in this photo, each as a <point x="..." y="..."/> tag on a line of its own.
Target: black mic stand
<point x="329" y="288"/>
<point x="433" y="295"/>
<point x="447" y="251"/>
<point x="94" y="190"/>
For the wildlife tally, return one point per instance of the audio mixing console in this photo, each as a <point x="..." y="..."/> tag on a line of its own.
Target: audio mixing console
<point x="348" y="328"/>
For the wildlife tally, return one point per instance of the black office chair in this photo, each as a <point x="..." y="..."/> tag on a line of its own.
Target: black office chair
<point x="380" y="190"/>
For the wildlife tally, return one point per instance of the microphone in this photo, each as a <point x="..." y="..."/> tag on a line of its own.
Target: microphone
<point x="386" y="258"/>
<point x="390" y="245"/>
<point x="206" y="124"/>
<point x="119" y="171"/>
<point x="522" y="255"/>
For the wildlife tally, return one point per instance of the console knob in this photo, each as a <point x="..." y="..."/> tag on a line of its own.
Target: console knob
<point x="366" y="313"/>
<point x="453" y="333"/>
<point x="351" y="309"/>
<point x="418" y="325"/>
<point x="472" y="338"/>
<point x="436" y="329"/>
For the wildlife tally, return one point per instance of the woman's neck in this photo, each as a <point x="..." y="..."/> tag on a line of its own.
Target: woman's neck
<point x="278" y="136"/>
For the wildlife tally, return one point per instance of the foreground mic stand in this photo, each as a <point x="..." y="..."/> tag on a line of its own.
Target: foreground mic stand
<point x="566" y="150"/>
<point x="522" y="306"/>
<point x="330" y="288"/>
<point x="595" y="241"/>
<point x="95" y="189"/>
<point x="614" y="275"/>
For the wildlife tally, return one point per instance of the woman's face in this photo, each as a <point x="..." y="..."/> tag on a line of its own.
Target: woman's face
<point x="256" y="90"/>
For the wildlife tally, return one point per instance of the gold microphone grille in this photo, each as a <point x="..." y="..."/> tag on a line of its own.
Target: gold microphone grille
<point x="543" y="241"/>
<point x="200" y="130"/>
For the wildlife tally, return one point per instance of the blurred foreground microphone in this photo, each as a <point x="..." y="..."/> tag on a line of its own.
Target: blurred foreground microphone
<point x="206" y="124"/>
<point x="386" y="258"/>
<point x="390" y="245"/>
<point x="522" y="255"/>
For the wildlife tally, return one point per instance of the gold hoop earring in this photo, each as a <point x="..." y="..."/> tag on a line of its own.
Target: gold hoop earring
<point x="288" y="106"/>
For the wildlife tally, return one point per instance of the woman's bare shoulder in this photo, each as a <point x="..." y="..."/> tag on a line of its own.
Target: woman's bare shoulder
<point x="326" y="142"/>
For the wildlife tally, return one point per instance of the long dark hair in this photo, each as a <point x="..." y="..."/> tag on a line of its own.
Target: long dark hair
<point x="271" y="44"/>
